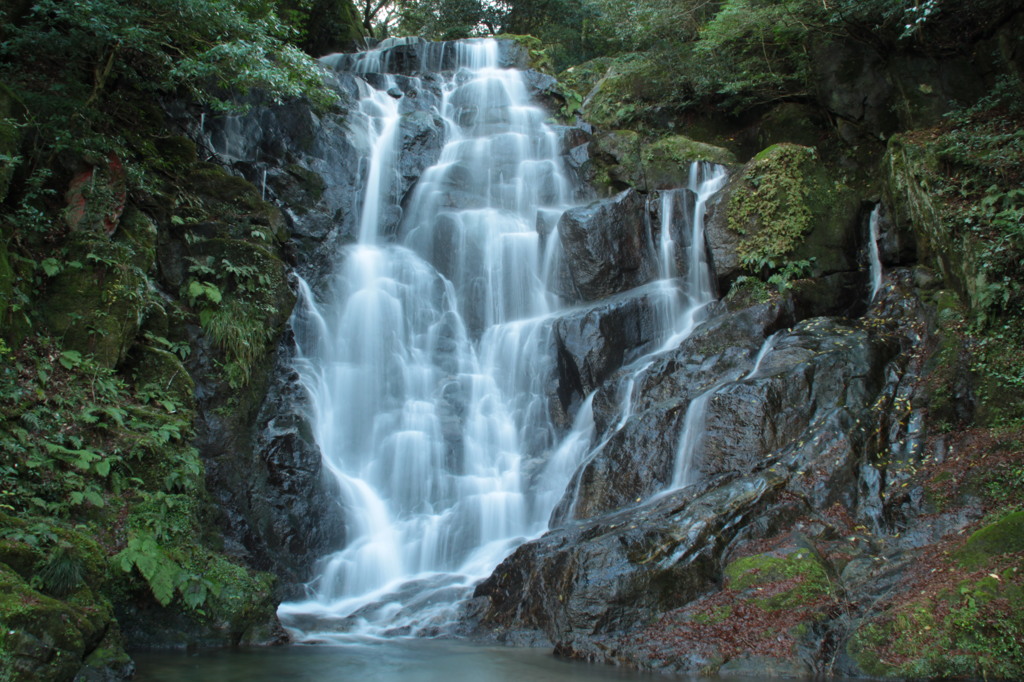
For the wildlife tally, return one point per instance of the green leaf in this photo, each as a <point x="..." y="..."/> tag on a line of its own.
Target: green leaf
<point x="212" y="292"/>
<point x="70" y="359"/>
<point x="194" y="592"/>
<point x="103" y="467"/>
<point x="51" y="266"/>
<point x="162" y="584"/>
<point x="94" y="497"/>
<point x="205" y="315"/>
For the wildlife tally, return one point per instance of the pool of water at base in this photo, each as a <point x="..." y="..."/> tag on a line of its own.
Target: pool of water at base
<point x="384" y="661"/>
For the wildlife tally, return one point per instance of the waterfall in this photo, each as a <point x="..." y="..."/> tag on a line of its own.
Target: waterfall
<point x="427" y="355"/>
<point x="425" y="358"/>
<point x="873" y="252"/>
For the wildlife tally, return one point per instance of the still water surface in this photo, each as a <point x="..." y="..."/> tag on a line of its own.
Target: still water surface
<point x="387" y="661"/>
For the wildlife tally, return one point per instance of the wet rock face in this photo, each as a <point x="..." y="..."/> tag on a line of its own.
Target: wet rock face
<point x="639" y="458"/>
<point x="593" y="342"/>
<point x="606" y="247"/>
<point x="295" y="514"/>
<point x="615" y="572"/>
<point x="790" y="425"/>
<point x="314" y="165"/>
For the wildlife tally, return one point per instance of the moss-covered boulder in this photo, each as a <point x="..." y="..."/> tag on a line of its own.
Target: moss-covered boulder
<point x="912" y="188"/>
<point x="784" y="213"/>
<point x="582" y="78"/>
<point x="636" y="91"/>
<point x="781" y="580"/>
<point x="667" y="160"/>
<point x="624" y="159"/>
<point x="97" y="301"/>
<point x="529" y="52"/>
<point x="56" y="621"/>
<point x="1005" y="536"/>
<point x="616" y="156"/>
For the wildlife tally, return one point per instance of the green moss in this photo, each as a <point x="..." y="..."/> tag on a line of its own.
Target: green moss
<point x="863" y="648"/>
<point x="622" y="158"/>
<point x="717" y="615"/>
<point x="788" y="209"/>
<point x="97" y="302"/>
<point x="312" y="183"/>
<point x="1002" y="537"/>
<point x="747" y="291"/>
<point x="978" y="635"/>
<point x="667" y="160"/>
<point x="617" y="162"/>
<point x="810" y="580"/>
<point x="43" y="638"/>
<point x="582" y="78"/>
<point x="163" y="372"/>
<point x="772" y="212"/>
<point x="637" y="91"/>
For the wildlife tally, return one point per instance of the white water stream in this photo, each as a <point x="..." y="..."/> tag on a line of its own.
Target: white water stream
<point x="426" y="360"/>
<point x="874" y="255"/>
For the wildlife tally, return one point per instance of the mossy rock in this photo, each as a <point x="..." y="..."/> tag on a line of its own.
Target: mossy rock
<point x="909" y="187"/>
<point x="97" y="304"/>
<point x="139" y="232"/>
<point x="582" y="78"/>
<point x="791" y="122"/>
<point x="1002" y="537"/>
<point x="666" y="161"/>
<point x="787" y="207"/>
<point x="617" y="160"/>
<point x="242" y="611"/>
<point x="177" y="151"/>
<point x="253" y="308"/>
<point x="624" y="159"/>
<point x="43" y="638"/>
<point x="801" y="567"/>
<point x="213" y="182"/>
<point x="332" y="26"/>
<point x="636" y="91"/>
<point x="164" y="370"/>
<point x="233" y="205"/>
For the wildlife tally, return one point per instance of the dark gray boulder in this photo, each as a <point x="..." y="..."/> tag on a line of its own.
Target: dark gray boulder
<point x="606" y="247"/>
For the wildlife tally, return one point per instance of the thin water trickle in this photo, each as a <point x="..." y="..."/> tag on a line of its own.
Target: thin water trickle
<point x="873" y="251"/>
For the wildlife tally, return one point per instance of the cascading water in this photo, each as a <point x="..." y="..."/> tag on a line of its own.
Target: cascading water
<point x="423" y="360"/>
<point x="426" y="359"/>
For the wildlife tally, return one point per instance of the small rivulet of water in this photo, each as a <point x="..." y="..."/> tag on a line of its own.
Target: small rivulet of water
<point x="427" y="355"/>
<point x="875" y="258"/>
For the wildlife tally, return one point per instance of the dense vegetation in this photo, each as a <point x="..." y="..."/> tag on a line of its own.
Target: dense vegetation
<point x="104" y="513"/>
